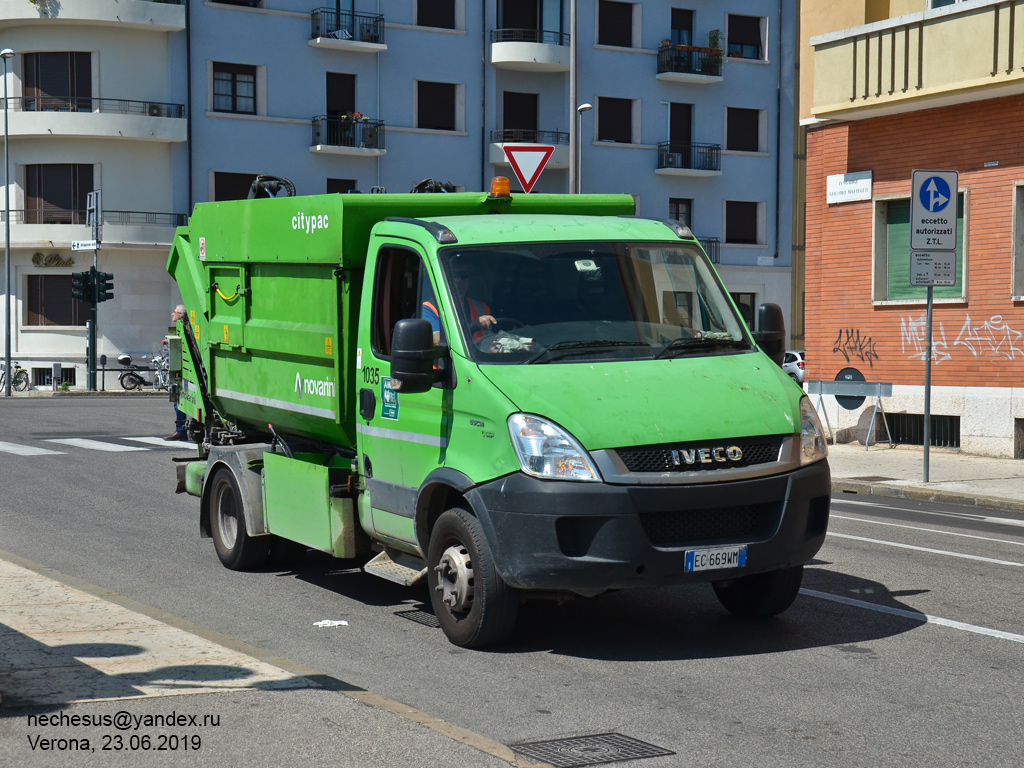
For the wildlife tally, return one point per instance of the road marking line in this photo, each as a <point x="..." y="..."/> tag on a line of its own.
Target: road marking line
<point x="27" y="450"/>
<point x="928" y="530"/>
<point x="927" y="549"/>
<point x="935" y="513"/>
<point x="922" y="617"/>
<point x="97" y="445"/>
<point x="160" y="442"/>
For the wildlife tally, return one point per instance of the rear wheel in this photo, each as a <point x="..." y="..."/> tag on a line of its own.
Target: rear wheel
<point x="761" y="595"/>
<point x="236" y="549"/>
<point x="131" y="381"/>
<point x="474" y="607"/>
<point x="20" y="381"/>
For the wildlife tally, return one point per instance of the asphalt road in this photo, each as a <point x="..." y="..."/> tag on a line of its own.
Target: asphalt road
<point x="905" y="648"/>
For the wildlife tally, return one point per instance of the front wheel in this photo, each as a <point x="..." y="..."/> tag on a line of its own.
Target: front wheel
<point x="130" y="381"/>
<point x="20" y="381"/>
<point x="474" y="607"/>
<point x="761" y="595"/>
<point x="236" y="549"/>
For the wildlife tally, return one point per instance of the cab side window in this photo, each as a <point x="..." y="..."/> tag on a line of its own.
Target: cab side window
<point x="401" y="285"/>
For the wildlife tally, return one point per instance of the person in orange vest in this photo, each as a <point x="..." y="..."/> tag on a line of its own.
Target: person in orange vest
<point x="481" y="321"/>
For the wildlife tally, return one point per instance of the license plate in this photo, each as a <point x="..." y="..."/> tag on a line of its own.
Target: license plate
<point x="715" y="558"/>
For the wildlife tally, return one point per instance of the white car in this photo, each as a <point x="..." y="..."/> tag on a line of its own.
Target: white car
<point x="793" y="364"/>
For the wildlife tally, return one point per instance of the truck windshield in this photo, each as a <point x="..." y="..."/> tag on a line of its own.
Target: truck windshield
<point x="540" y="303"/>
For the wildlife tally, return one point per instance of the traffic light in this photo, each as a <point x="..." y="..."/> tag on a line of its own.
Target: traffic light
<point x="81" y="286"/>
<point x="104" y="286"/>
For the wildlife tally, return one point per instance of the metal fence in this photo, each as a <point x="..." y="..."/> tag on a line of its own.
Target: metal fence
<point x="348" y="132"/>
<point x="699" y="157"/>
<point x="526" y="135"/>
<point x="695" y="62"/>
<point x="529" y="36"/>
<point x="711" y="248"/>
<point x="114" y="218"/>
<point x="90" y="104"/>
<point x="360" y="27"/>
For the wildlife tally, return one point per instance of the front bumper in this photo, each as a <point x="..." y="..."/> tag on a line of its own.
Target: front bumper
<point x="592" y="537"/>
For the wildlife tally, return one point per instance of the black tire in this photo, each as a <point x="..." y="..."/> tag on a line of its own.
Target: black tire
<point x="762" y="595"/>
<point x="236" y="549"/>
<point x="130" y="381"/>
<point x="20" y="381"/>
<point x="482" y="608"/>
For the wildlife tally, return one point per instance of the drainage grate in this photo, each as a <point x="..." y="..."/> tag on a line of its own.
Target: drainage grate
<point x="420" y="617"/>
<point x="588" y="750"/>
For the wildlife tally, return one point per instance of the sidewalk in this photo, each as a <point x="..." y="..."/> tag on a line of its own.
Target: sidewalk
<point x="954" y="477"/>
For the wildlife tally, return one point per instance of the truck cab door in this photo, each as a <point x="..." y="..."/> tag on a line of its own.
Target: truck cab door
<point x="400" y="437"/>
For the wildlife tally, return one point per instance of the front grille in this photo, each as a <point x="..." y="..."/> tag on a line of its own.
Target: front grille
<point x="671" y="457"/>
<point x="722" y="525"/>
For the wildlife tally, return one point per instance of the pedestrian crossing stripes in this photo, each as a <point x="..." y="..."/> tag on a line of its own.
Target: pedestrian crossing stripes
<point x="105" y="445"/>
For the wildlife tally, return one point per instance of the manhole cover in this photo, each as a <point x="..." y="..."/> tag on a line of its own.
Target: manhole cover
<point x="420" y="617"/>
<point x="588" y="750"/>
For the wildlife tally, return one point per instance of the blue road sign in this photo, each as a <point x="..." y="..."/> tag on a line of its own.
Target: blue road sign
<point x="934" y="194"/>
<point x="933" y="211"/>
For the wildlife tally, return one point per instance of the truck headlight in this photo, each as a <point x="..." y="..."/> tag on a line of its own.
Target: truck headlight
<point x="546" y="450"/>
<point x="812" y="438"/>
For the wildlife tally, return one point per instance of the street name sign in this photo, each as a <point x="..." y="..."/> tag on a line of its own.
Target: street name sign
<point x="527" y="161"/>
<point x="84" y="245"/>
<point x="933" y="268"/>
<point x="933" y="204"/>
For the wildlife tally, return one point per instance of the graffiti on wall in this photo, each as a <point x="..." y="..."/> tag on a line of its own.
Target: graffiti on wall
<point x="991" y="338"/>
<point x="851" y="344"/>
<point x="914" y="334"/>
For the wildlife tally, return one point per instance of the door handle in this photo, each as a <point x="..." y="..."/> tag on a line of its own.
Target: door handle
<point x="367" y="403"/>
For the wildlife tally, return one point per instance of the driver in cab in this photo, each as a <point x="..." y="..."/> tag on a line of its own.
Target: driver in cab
<point x="481" y="321"/>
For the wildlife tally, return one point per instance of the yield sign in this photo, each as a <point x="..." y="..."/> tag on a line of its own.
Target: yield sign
<point x="527" y="162"/>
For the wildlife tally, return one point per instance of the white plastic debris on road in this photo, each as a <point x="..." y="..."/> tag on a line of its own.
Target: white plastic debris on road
<point x="330" y="623"/>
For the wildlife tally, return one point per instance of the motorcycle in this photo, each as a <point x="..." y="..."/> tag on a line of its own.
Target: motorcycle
<point x="19" y="381"/>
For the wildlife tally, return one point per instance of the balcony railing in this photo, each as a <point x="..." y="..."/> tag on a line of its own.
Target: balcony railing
<point x="697" y="157"/>
<point x="359" y="27"/>
<point x="348" y="132"/>
<point x="114" y="218"/>
<point x="711" y="248"/>
<point x="690" y="60"/>
<point x="529" y="36"/>
<point x="90" y="104"/>
<point x="528" y="136"/>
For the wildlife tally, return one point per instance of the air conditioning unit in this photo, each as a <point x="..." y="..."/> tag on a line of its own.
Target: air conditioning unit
<point x="155" y="110"/>
<point x="673" y="159"/>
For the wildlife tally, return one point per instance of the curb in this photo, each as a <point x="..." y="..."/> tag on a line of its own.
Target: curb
<point x="919" y="493"/>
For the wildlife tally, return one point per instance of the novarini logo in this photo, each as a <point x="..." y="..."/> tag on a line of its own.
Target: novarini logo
<point x="302" y="222"/>
<point x="322" y="387"/>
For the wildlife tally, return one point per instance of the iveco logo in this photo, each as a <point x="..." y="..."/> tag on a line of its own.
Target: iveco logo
<point x="720" y="454"/>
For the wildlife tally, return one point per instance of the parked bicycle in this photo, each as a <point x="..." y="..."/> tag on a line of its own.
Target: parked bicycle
<point x="19" y="381"/>
<point x="134" y="376"/>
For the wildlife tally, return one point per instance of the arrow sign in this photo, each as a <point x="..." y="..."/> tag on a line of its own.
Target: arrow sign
<point x="933" y="211"/>
<point x="84" y="245"/>
<point x="527" y="161"/>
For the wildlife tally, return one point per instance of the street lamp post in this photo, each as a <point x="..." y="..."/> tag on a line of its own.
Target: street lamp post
<point x="579" y="144"/>
<point x="6" y="54"/>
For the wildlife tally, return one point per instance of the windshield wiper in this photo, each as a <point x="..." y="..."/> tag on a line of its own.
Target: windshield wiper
<point x="708" y="341"/>
<point x="591" y="344"/>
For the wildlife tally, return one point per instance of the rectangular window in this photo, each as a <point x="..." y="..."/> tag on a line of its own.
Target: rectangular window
<point x="58" y="81"/>
<point x="741" y="226"/>
<point x="435" y="13"/>
<point x="682" y="27"/>
<point x="680" y="209"/>
<point x="50" y="302"/>
<point x="57" y="193"/>
<point x="435" y="105"/>
<point x="745" y="303"/>
<point x="341" y="186"/>
<point x="401" y="288"/>
<point x="615" y="120"/>
<point x="341" y="94"/>
<point x="232" y="186"/>
<point x="519" y="114"/>
<point x="743" y="129"/>
<point x="745" y="37"/>
<point x="1017" y="257"/>
<point x="615" y="23"/>
<point x="895" y="258"/>
<point x="234" y="88"/>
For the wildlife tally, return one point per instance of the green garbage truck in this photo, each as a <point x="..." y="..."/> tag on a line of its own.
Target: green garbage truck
<point x="509" y="396"/>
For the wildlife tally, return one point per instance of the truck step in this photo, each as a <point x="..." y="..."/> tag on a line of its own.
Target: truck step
<point x="406" y="573"/>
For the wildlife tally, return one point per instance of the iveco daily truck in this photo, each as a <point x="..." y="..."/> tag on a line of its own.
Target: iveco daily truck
<point x="511" y="396"/>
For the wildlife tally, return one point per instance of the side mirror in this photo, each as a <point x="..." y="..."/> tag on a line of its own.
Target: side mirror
<point x="771" y="337"/>
<point x="412" y="356"/>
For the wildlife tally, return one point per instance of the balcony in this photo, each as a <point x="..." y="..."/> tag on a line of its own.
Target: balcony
<point x="346" y="31"/>
<point x="151" y="15"/>
<point x="711" y="246"/>
<point x="94" y="118"/>
<point x="689" y="64"/>
<point x="689" y="159"/>
<point x="558" y="139"/>
<point x="954" y="54"/>
<point x="530" y="50"/>
<point x="56" y="227"/>
<point x="346" y="135"/>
